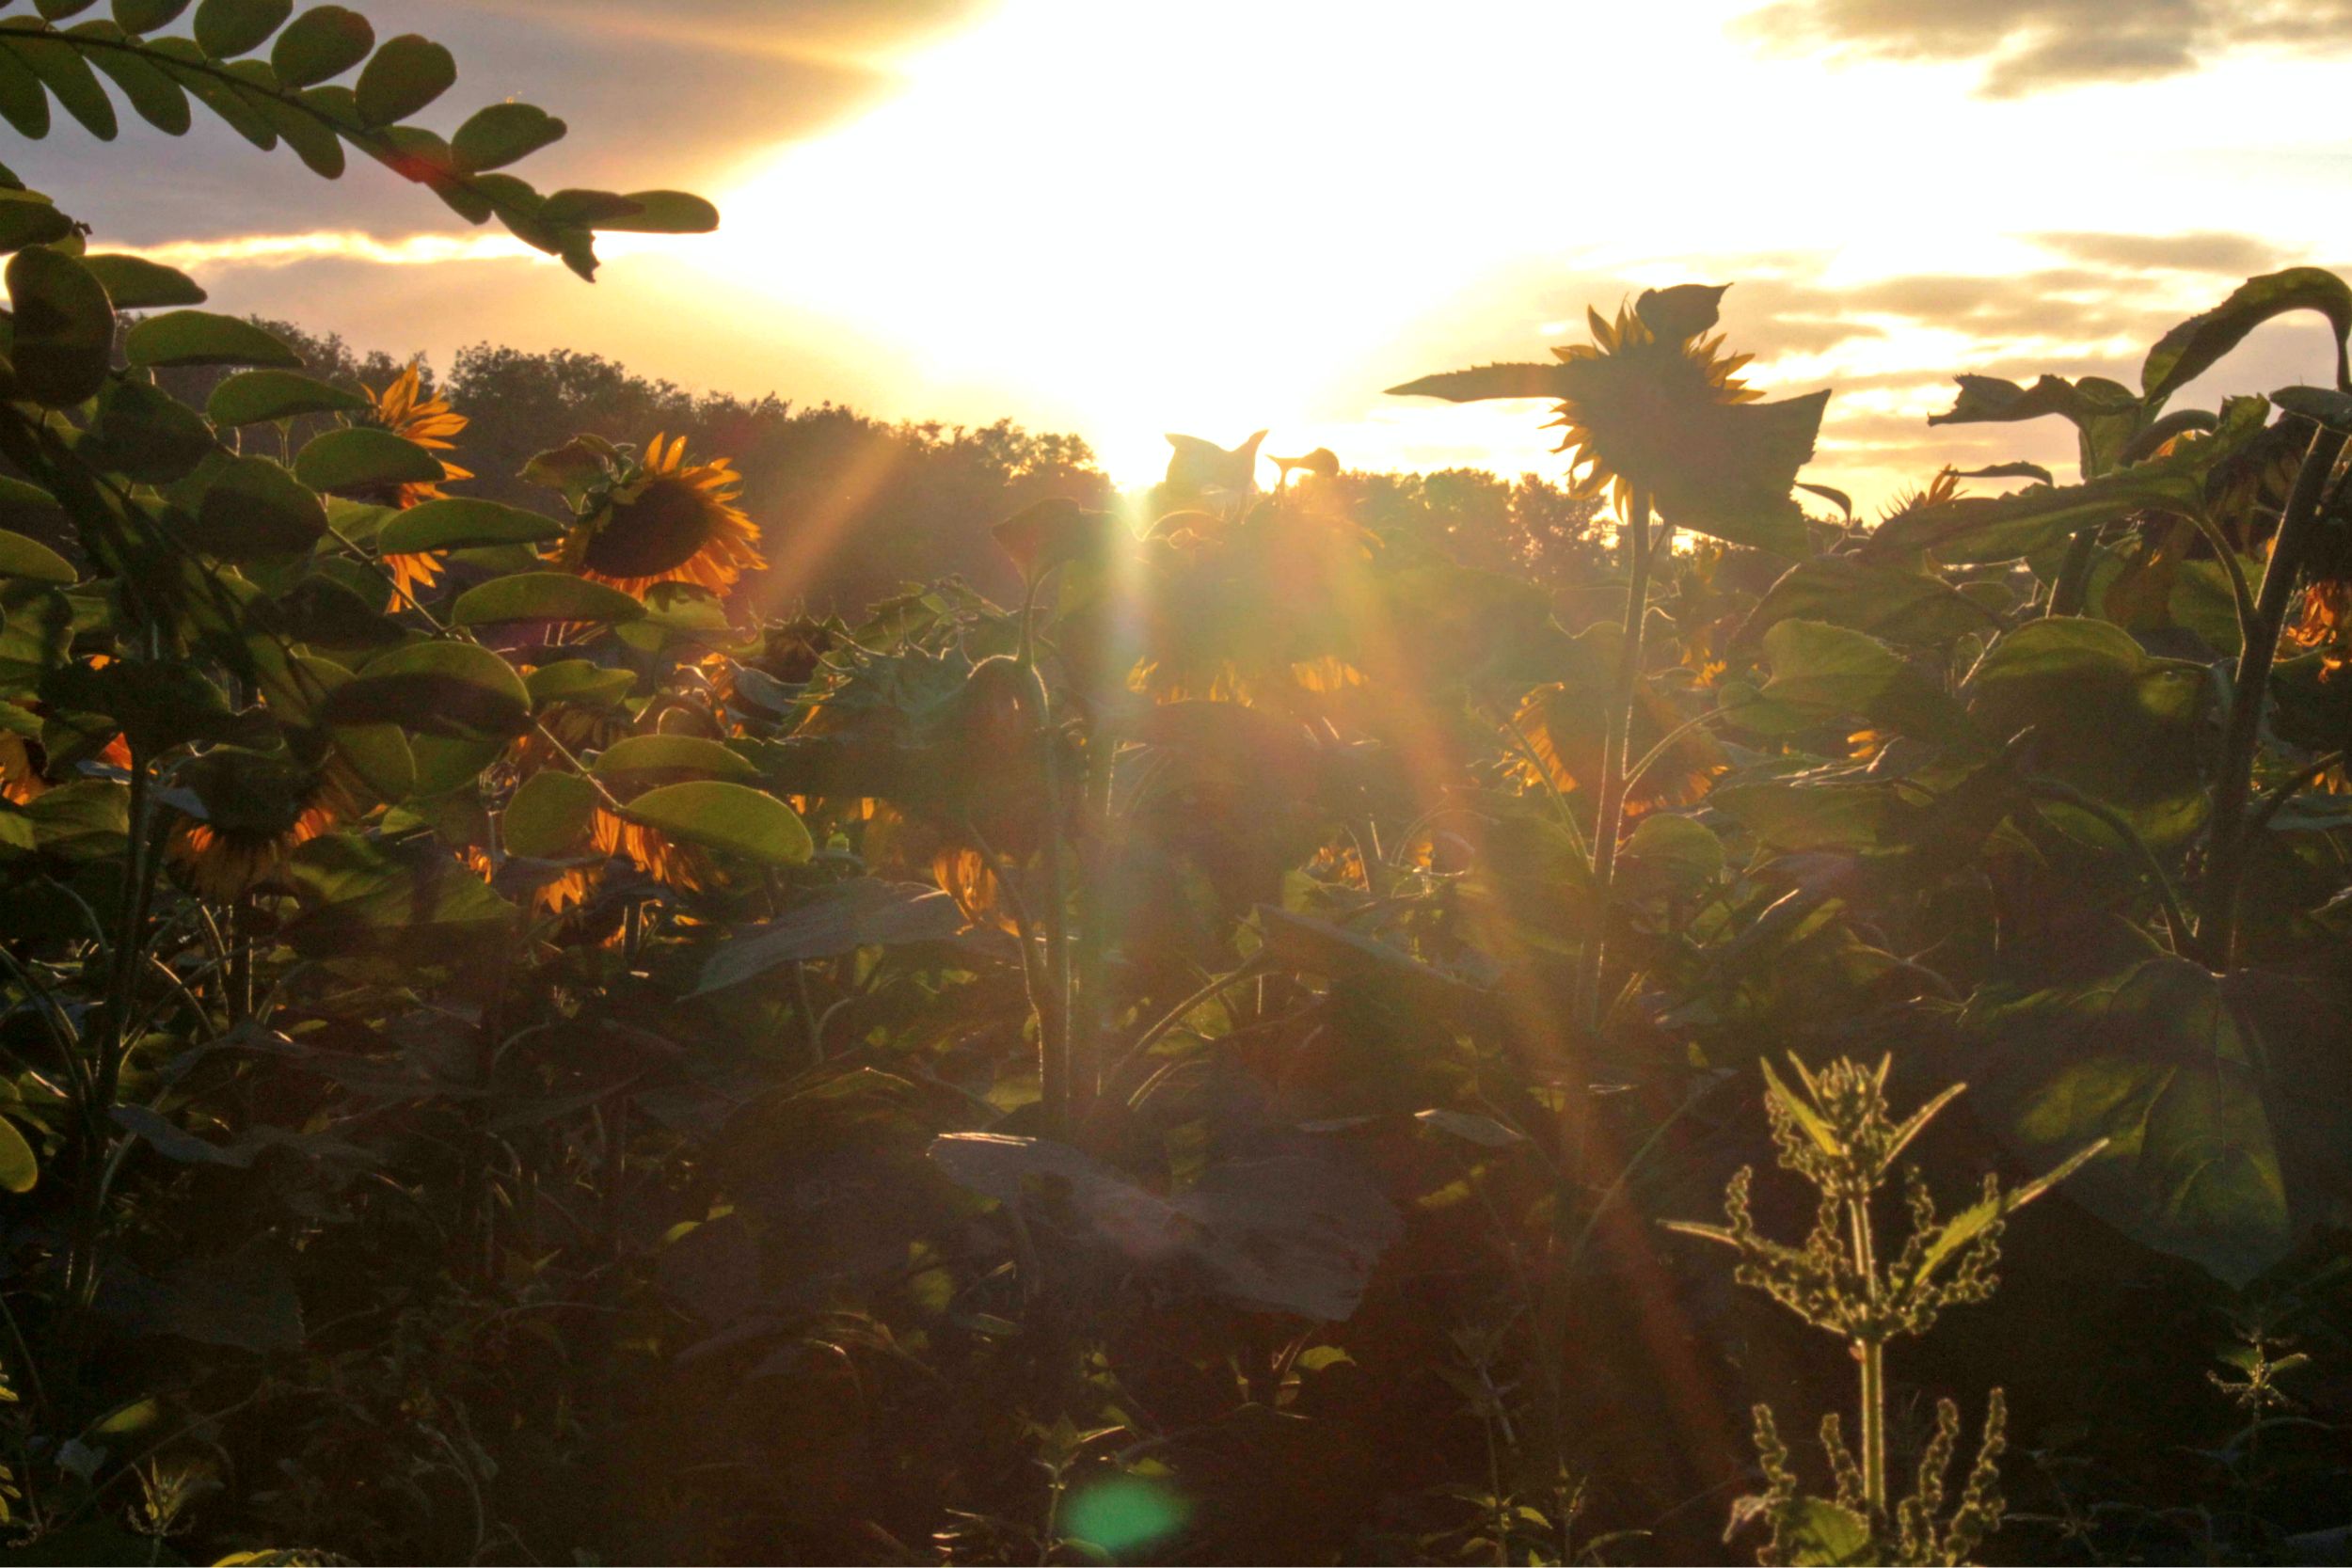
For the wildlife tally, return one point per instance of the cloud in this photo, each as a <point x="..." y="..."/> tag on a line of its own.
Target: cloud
<point x="2028" y="46"/>
<point x="266" y="250"/>
<point x="2231" y="255"/>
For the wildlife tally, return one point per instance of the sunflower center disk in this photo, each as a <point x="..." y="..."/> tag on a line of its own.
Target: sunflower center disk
<point x="664" y="528"/>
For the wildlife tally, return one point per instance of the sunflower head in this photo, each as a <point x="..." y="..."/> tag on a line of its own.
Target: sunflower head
<point x="1631" y="388"/>
<point x="402" y="407"/>
<point x="655" y="520"/>
<point x="259" y="810"/>
<point x="1652" y="406"/>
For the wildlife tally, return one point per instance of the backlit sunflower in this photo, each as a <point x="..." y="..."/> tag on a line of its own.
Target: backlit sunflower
<point x="666" y="521"/>
<point x="1652" y="406"/>
<point x="403" y="408"/>
<point x="261" y="809"/>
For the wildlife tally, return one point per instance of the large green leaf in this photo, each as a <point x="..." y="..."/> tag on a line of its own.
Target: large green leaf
<point x="63" y="70"/>
<point x="413" y="901"/>
<point x="31" y="561"/>
<point x="457" y="692"/>
<point x="322" y="43"/>
<point x="1822" y="672"/>
<point x="2152" y="1058"/>
<point x="543" y="596"/>
<point x="28" y="218"/>
<point x="64" y="327"/>
<point x="135" y="283"/>
<point x="835" y="920"/>
<point x="503" y="133"/>
<point x="647" y="757"/>
<point x="2198" y="343"/>
<point x="407" y="73"/>
<point x="255" y="397"/>
<point x="364" y="459"/>
<point x="18" y="1169"/>
<point x="146" y="435"/>
<point x="730" y="818"/>
<point x="254" y="509"/>
<point x="461" y="522"/>
<point x="661" y="213"/>
<point x="203" y="337"/>
<point x="1914" y="608"/>
<point x="2111" y="721"/>
<point x="549" y="816"/>
<point x="227" y="28"/>
<point x="1978" y="529"/>
<point x="159" y="101"/>
<point x="2103" y="414"/>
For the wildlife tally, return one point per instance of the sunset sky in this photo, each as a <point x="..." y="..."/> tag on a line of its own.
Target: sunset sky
<point x="1121" y="219"/>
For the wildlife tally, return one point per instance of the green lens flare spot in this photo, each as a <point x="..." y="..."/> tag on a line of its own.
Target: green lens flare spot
<point x="1125" y="1514"/>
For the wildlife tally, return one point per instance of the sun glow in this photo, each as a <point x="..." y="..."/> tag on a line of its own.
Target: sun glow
<point x="1192" y="225"/>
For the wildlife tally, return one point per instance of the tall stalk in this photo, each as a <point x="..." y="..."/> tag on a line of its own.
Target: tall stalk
<point x="1616" y="739"/>
<point x="2228" y="836"/>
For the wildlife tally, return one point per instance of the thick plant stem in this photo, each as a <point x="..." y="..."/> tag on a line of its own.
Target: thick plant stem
<point x="1870" y="1353"/>
<point x="1054" y="1010"/>
<point x="1609" y="815"/>
<point x="2228" y="836"/>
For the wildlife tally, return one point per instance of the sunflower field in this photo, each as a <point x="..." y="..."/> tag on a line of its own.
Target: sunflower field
<point x="513" y="1049"/>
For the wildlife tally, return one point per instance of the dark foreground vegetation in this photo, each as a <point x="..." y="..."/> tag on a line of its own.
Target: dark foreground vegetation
<point x="555" y="1009"/>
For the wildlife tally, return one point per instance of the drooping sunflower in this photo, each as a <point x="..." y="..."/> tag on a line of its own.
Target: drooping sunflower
<point x="260" y="810"/>
<point x="1653" y="407"/>
<point x="402" y="407"/>
<point x="665" y="521"/>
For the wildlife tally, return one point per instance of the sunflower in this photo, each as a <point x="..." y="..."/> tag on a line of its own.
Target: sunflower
<point x="666" y="521"/>
<point x="403" y="408"/>
<point x="260" y="809"/>
<point x="1652" y="406"/>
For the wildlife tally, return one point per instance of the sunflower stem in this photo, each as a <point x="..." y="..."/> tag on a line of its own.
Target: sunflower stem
<point x="2230" y="833"/>
<point x="1616" y="738"/>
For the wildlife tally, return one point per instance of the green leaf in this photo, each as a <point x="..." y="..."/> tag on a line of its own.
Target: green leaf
<point x="2318" y="404"/>
<point x="453" y="691"/>
<point x="1981" y="530"/>
<point x="24" y="103"/>
<point x="834" y="921"/>
<point x="134" y="283"/>
<point x="543" y="596"/>
<point x="1819" y="1533"/>
<point x="503" y="133"/>
<point x="635" y="757"/>
<point x="18" y="1170"/>
<point x="146" y="435"/>
<point x="202" y="338"/>
<point x="2152" y="1058"/>
<point x="1670" y="854"/>
<point x="407" y="74"/>
<point x="2198" y="343"/>
<point x="30" y="561"/>
<point x="227" y="28"/>
<point x="364" y="458"/>
<point x="661" y="213"/>
<point x="314" y="142"/>
<point x="322" y="43"/>
<point x="255" y="397"/>
<point x="2114" y="723"/>
<point x="1795" y="818"/>
<point x="158" y="100"/>
<point x="549" y="816"/>
<point x="728" y="817"/>
<point x="1822" y="672"/>
<point x="65" y="326"/>
<point x="1913" y="608"/>
<point x="28" y="217"/>
<point x="255" y="509"/>
<point x="412" y="901"/>
<point x="2104" y="415"/>
<point x="461" y="523"/>
<point x="145" y="16"/>
<point x="65" y="72"/>
<point x="577" y="680"/>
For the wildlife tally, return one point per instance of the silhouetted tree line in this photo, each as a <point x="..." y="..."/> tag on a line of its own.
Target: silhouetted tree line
<point x="853" y="508"/>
